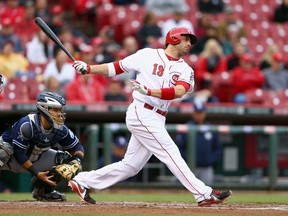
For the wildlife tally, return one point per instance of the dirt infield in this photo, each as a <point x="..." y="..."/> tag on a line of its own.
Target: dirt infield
<point x="135" y="208"/>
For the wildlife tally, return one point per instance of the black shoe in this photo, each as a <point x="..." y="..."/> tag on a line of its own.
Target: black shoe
<point x="54" y="196"/>
<point x="216" y="197"/>
<point x="82" y="192"/>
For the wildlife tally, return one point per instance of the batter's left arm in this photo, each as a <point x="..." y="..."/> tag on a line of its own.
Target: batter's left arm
<point x="164" y="93"/>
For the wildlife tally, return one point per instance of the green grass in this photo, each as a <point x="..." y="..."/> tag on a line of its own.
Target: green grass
<point x="238" y="197"/>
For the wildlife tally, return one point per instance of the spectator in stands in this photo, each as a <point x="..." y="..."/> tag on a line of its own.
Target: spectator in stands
<point x="60" y="26"/>
<point x="266" y="58"/>
<point x="233" y="59"/>
<point x="232" y="37"/>
<point x="86" y="52"/>
<point x="119" y="147"/>
<point x="244" y="78"/>
<point x="276" y="76"/>
<point x="177" y="19"/>
<point x="281" y="12"/>
<point x="114" y="91"/>
<point x="228" y="20"/>
<point x="52" y="85"/>
<point x="208" y="146"/>
<point x="166" y="7"/>
<point x="59" y="67"/>
<point x="210" y="33"/>
<point x="84" y="11"/>
<point x="110" y="46"/>
<point x="42" y="10"/>
<point x="7" y="34"/>
<point x="70" y="41"/>
<point x="39" y="50"/>
<point x="12" y="63"/>
<point x="129" y="46"/>
<point x="26" y="27"/>
<point x="211" y="6"/>
<point x="77" y="90"/>
<point x="57" y="18"/>
<point x="203" y="22"/>
<point x="100" y="54"/>
<point x="150" y="32"/>
<point x="12" y="10"/>
<point x="211" y="61"/>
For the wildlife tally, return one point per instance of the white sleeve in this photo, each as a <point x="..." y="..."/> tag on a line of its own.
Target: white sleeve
<point x="188" y="77"/>
<point x="132" y="63"/>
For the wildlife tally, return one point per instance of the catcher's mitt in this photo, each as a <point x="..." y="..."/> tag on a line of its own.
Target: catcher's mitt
<point x="68" y="171"/>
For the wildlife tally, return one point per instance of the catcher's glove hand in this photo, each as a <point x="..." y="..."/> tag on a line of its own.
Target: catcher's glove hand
<point x="68" y="171"/>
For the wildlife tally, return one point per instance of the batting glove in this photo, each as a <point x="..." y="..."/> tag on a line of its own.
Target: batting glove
<point x="81" y="67"/>
<point x="140" y="88"/>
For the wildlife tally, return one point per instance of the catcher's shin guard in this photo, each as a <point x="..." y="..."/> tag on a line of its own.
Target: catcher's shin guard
<point x="44" y="192"/>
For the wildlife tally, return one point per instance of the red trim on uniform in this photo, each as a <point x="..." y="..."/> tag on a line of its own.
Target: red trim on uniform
<point x="171" y="58"/>
<point x="184" y="84"/>
<point x="88" y="69"/>
<point x="168" y="93"/>
<point x="169" y="155"/>
<point x="117" y="67"/>
<point x="149" y="92"/>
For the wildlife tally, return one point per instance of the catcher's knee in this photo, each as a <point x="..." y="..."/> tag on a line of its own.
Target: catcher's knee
<point x="6" y="151"/>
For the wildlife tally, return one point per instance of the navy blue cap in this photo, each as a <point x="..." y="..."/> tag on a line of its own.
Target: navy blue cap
<point x="120" y="141"/>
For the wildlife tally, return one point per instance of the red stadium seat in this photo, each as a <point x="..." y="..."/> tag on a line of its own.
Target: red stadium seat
<point x="22" y="88"/>
<point x="256" y="96"/>
<point x="221" y="86"/>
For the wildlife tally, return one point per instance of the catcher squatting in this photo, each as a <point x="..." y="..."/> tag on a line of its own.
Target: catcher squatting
<point x="29" y="146"/>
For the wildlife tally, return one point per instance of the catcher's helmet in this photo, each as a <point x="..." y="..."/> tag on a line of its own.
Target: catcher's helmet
<point x="48" y="100"/>
<point x="174" y="35"/>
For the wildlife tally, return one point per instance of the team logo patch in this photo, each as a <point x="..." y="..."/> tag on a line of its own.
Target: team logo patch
<point x="174" y="77"/>
<point x="71" y="134"/>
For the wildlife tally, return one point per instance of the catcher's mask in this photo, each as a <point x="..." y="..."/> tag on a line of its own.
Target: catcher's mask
<point x="49" y="105"/>
<point x="174" y="36"/>
<point x="1" y="83"/>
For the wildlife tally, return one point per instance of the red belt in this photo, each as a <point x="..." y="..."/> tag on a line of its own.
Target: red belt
<point x="148" y="106"/>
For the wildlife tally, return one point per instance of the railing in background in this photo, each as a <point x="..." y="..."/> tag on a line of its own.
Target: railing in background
<point x="271" y="131"/>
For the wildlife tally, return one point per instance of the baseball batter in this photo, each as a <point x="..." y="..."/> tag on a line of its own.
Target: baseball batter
<point x="162" y="75"/>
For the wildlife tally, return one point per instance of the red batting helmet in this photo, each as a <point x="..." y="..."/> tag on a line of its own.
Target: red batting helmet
<point x="174" y="35"/>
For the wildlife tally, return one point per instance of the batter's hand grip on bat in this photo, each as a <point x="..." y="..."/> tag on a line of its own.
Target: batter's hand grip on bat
<point x="46" y="29"/>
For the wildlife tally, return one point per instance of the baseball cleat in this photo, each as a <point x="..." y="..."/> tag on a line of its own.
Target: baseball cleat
<point x="216" y="197"/>
<point x="54" y="196"/>
<point x="82" y="192"/>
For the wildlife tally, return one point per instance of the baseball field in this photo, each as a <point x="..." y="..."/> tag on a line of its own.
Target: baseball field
<point x="147" y="203"/>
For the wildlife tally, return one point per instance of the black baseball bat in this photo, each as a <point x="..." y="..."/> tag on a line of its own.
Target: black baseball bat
<point x="45" y="28"/>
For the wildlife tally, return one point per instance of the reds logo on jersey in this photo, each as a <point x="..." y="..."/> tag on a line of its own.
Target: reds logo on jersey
<point x="174" y="77"/>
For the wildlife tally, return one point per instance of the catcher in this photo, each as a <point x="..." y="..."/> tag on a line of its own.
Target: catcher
<point x="29" y="146"/>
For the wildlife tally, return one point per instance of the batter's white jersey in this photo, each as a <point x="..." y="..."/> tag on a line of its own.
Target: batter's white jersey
<point x="155" y="71"/>
<point x="147" y="126"/>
